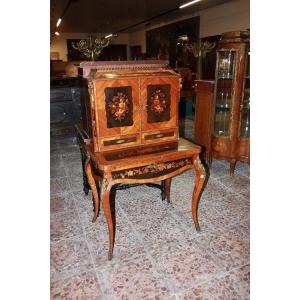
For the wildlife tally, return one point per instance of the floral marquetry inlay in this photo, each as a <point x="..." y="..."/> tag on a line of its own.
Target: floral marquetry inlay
<point x="119" y="106"/>
<point x="158" y="101"/>
<point x="152" y="170"/>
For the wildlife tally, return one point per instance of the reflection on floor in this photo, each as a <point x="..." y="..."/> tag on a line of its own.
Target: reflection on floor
<point x="158" y="254"/>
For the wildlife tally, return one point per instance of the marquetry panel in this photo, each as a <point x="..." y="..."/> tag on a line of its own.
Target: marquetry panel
<point x="117" y="106"/>
<point x="152" y="170"/>
<point x="159" y="97"/>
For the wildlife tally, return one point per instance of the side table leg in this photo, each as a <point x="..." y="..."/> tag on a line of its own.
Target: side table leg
<point x="199" y="183"/>
<point x="105" y="194"/>
<point x="232" y="167"/>
<point x="86" y="187"/>
<point x="163" y="190"/>
<point x="168" y="188"/>
<point x="92" y="183"/>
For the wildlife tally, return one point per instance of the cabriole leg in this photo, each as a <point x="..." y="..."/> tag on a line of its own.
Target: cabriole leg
<point x="92" y="183"/>
<point x="105" y="194"/>
<point x="168" y="188"/>
<point x="199" y="185"/>
<point x="232" y="167"/>
<point x="86" y="186"/>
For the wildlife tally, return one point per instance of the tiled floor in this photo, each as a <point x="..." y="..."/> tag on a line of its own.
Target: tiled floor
<point x="158" y="253"/>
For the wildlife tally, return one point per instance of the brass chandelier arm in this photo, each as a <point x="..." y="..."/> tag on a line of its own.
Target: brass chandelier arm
<point x="92" y="47"/>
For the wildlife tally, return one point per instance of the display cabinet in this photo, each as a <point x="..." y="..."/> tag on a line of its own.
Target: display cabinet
<point x="229" y="111"/>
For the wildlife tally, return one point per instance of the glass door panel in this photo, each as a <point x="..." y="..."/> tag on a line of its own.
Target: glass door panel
<point x="224" y="91"/>
<point x="245" y="106"/>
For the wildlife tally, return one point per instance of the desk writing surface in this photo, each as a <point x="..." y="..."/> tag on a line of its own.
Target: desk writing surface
<point x="149" y="154"/>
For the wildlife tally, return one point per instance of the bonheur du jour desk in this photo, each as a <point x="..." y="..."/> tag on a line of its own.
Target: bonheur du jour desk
<point x="142" y="164"/>
<point x="129" y="132"/>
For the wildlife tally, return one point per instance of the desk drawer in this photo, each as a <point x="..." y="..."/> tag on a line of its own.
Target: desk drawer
<point x="157" y="136"/>
<point x="119" y="141"/>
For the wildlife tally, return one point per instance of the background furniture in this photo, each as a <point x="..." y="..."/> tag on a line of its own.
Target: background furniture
<point x="226" y="111"/>
<point x="204" y="114"/>
<point x="65" y="104"/>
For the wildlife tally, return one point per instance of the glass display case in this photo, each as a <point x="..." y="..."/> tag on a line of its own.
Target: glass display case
<point x="224" y="91"/>
<point x="231" y="110"/>
<point x="222" y="111"/>
<point x="245" y="106"/>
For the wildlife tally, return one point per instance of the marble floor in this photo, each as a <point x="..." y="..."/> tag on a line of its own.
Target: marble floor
<point x="158" y="253"/>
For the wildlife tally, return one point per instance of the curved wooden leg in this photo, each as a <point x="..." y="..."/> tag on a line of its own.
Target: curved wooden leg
<point x="168" y="188"/>
<point x="163" y="190"/>
<point x="92" y="183"/>
<point x="86" y="186"/>
<point x="105" y="195"/>
<point x="199" y="183"/>
<point x="232" y="167"/>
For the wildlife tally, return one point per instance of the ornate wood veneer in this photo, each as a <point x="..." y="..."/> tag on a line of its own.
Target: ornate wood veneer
<point x="129" y="134"/>
<point x="130" y="103"/>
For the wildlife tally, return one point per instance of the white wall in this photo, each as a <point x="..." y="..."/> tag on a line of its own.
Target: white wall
<point x="59" y="43"/>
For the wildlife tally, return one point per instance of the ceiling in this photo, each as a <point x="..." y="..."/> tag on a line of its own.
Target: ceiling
<point x="114" y="15"/>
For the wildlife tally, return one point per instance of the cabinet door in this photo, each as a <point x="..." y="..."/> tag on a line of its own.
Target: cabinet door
<point x="159" y="99"/>
<point x="245" y="103"/>
<point x="116" y="105"/>
<point x="224" y="90"/>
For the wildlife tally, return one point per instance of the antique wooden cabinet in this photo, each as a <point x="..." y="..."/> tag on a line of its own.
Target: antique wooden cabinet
<point x="130" y="103"/>
<point x="224" y="105"/>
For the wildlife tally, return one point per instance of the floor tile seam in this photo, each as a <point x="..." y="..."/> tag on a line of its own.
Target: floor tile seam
<point x="61" y="177"/>
<point x="232" y="190"/>
<point x="66" y="239"/>
<point x="64" y="211"/>
<point x="228" y="224"/>
<point x="149" y="256"/>
<point x="219" y="275"/>
<point x="231" y="177"/>
<point x="57" y="177"/>
<point x="69" y="274"/>
<point x="195" y="283"/>
<point x="90" y="251"/>
<point x="112" y="295"/>
<point x="169" y="277"/>
<point x="243" y="173"/>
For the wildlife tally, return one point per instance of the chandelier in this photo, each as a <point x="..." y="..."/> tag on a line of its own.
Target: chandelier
<point x="197" y="48"/>
<point x="92" y="47"/>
